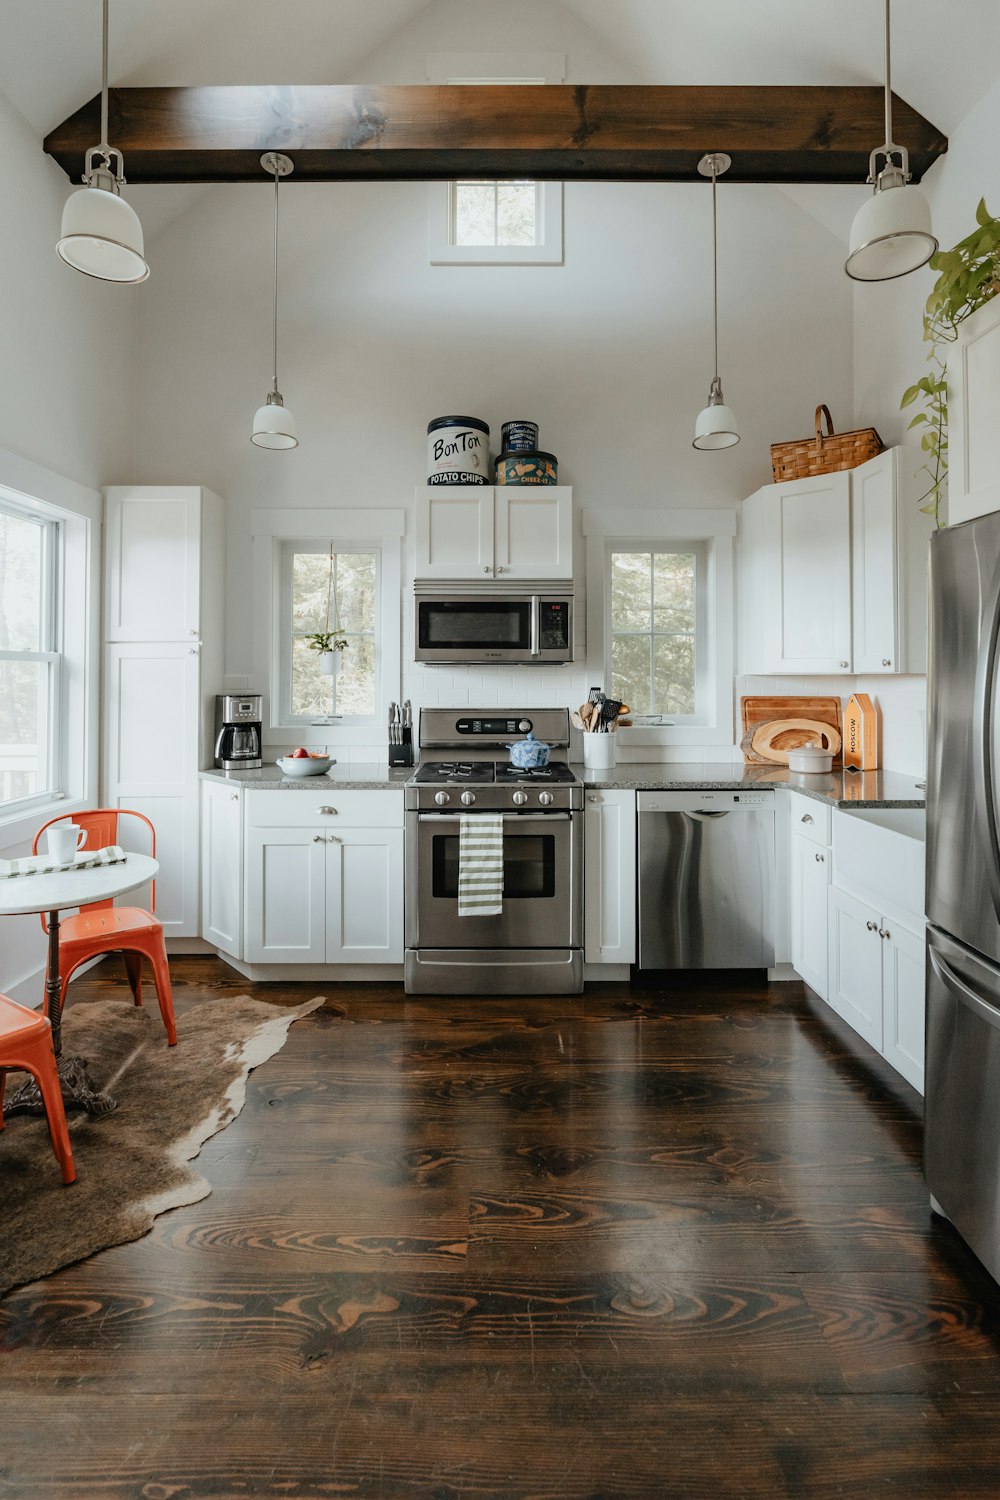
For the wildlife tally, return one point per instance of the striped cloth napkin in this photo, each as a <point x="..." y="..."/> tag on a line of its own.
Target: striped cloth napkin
<point x="44" y="864"/>
<point x="480" y="865"/>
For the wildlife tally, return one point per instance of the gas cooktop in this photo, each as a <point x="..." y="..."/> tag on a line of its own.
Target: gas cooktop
<point x="489" y="773"/>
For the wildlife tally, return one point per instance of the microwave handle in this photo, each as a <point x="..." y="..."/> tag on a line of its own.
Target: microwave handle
<point x="536" y="606"/>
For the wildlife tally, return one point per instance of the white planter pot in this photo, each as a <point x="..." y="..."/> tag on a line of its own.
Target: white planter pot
<point x="329" y="663"/>
<point x="598" y="751"/>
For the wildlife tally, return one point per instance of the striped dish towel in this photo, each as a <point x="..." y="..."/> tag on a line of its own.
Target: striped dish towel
<point x="44" y="864"/>
<point x="480" y="865"/>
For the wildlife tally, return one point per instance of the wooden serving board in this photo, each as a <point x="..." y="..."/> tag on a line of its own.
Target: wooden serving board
<point x="758" y="713"/>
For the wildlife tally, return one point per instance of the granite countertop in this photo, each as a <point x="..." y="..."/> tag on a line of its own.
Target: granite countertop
<point x="838" y="789"/>
<point x="356" y="778"/>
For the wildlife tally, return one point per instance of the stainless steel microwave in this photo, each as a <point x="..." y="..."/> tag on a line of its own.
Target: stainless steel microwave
<point x="477" y="623"/>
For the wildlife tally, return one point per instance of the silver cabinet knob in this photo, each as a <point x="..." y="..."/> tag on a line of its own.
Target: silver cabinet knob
<point x="486" y="570"/>
<point x="319" y="838"/>
<point x="328" y="809"/>
<point x="845" y="664"/>
<point x="872" y="926"/>
<point x="501" y="570"/>
<point x="520" y="798"/>
<point x="886" y="662"/>
<point x="468" y="798"/>
<point x="593" y="797"/>
<point x="808" y="818"/>
<point x="546" y="799"/>
<point x="819" y="859"/>
<point x="884" y="933"/>
<point x="442" y="799"/>
<point x="234" y="796"/>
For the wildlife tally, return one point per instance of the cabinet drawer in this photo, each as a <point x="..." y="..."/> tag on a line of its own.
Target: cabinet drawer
<point x="295" y="809"/>
<point x="811" y="819"/>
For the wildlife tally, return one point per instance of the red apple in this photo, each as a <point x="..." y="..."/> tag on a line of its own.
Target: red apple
<point x="299" y="754"/>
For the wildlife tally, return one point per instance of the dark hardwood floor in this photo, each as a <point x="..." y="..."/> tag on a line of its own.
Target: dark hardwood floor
<point x="637" y="1244"/>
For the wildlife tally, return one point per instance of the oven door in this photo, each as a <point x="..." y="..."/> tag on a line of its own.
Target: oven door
<point x="542" y="888"/>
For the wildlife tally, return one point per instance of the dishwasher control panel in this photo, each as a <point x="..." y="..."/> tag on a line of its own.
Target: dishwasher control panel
<point x="696" y="799"/>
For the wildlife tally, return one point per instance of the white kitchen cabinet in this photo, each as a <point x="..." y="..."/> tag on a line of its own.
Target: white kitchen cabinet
<point x="835" y="572"/>
<point x="324" y="876"/>
<point x="515" y="533"/>
<point x="163" y="665"/>
<point x="222" y="866"/>
<point x="810" y="888"/>
<point x="877" y="981"/>
<point x="973" y="430"/>
<point x="609" y="881"/>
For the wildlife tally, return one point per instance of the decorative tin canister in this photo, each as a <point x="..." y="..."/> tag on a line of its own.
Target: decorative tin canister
<point x="527" y="468"/>
<point x="519" y="437"/>
<point x="458" y="451"/>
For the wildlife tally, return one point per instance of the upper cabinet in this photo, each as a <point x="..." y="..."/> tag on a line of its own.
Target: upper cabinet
<point x="835" y="572"/>
<point x="511" y="532"/>
<point x="164" y="561"/>
<point x="973" y="429"/>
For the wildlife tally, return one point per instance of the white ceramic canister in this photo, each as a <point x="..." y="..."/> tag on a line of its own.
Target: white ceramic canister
<point x="598" y="751"/>
<point x="458" y="451"/>
<point x="810" y="759"/>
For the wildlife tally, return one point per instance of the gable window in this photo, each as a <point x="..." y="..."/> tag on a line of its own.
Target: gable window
<point x="657" y="597"/>
<point x="30" y="658"/>
<point x="326" y="589"/>
<point x="495" y="213"/>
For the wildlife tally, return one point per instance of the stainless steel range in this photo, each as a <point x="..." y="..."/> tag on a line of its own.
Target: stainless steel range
<point x="535" y="945"/>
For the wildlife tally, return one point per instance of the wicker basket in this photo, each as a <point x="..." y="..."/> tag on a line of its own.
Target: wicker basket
<point x="825" y="453"/>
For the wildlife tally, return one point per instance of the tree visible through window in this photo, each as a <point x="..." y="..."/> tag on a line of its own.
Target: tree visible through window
<point x="343" y="601"/>
<point x="494" y="213"/>
<point x="653" y="631"/>
<point x="29" y="663"/>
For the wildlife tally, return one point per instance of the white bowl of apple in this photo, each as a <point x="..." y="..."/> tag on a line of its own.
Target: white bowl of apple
<point x="304" y="762"/>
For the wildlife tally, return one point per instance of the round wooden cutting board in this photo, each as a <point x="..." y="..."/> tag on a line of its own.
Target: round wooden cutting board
<point x="775" y="740"/>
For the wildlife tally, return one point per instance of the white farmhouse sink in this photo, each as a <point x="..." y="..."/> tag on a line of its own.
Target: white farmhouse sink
<point x="882" y="850"/>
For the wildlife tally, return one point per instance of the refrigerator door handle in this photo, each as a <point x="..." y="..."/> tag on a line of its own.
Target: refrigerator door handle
<point x="983" y="737"/>
<point x="961" y="990"/>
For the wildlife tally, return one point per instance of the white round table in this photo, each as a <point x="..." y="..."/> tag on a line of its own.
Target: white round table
<point x="62" y="889"/>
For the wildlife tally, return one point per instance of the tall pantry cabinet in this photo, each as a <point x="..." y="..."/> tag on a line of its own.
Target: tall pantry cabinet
<point x="163" y="665"/>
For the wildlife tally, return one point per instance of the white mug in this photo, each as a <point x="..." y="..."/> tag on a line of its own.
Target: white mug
<point x="64" y="841"/>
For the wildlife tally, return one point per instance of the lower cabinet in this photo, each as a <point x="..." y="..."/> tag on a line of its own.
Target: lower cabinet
<point x="810" y="888"/>
<point x="609" y="921"/>
<point x="876" y="982"/>
<point x="222" y="866"/>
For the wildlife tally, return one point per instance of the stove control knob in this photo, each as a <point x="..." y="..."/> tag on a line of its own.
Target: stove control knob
<point x="524" y="726"/>
<point x="442" y="799"/>
<point x="546" y="799"/>
<point x="468" y="798"/>
<point x="520" y="798"/>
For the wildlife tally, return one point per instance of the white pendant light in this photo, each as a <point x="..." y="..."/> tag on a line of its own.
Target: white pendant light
<point x="716" y="426"/>
<point x="891" y="234"/>
<point x="101" y="234"/>
<point x="273" y="423"/>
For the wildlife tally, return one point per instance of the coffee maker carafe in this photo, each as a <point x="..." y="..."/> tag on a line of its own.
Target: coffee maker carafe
<point x="237" y="732"/>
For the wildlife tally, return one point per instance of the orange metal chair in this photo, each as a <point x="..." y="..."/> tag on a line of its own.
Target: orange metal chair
<point x="26" y="1045"/>
<point x="103" y="927"/>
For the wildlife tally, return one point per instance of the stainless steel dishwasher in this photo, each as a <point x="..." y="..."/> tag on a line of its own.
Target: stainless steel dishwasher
<point x="706" y="880"/>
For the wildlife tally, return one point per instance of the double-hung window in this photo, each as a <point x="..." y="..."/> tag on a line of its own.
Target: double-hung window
<point x="328" y="589"/>
<point x="31" y="756"/>
<point x="658" y="631"/>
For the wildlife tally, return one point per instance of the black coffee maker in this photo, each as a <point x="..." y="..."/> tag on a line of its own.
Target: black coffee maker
<point x="237" y="732"/>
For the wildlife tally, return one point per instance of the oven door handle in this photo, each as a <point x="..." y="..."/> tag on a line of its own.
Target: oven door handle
<point x="556" y="817"/>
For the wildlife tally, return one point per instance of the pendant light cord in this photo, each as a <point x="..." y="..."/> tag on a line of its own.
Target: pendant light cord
<point x="104" y="147"/>
<point x="715" y="273"/>
<point x="888" y="81"/>
<point x="275" y="328"/>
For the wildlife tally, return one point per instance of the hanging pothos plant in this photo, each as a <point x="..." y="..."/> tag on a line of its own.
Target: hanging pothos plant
<point x="968" y="277"/>
<point x="330" y="639"/>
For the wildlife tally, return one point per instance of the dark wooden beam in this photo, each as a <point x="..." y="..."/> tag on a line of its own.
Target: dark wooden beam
<point x="347" y="132"/>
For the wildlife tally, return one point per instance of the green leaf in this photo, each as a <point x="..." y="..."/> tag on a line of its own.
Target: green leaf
<point x="909" y="396"/>
<point x="915" y="421"/>
<point x="983" y="215"/>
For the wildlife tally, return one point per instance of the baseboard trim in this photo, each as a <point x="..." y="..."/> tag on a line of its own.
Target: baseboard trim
<point x="314" y="973"/>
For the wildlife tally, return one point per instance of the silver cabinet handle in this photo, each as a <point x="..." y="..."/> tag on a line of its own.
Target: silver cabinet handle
<point x="234" y="796"/>
<point x="319" y="838"/>
<point x="486" y="570"/>
<point x="883" y="933"/>
<point x="328" y="809"/>
<point x="886" y="662"/>
<point x="819" y="859"/>
<point x="808" y="818"/>
<point x="845" y="664"/>
<point x="193" y="630"/>
<point x="872" y="926"/>
<point x="501" y="570"/>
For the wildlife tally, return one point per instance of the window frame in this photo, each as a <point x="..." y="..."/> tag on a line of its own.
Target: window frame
<point x="711" y="531"/>
<point x="471" y="69"/>
<point x="702" y="625"/>
<point x="379" y="531"/>
<point x="50" y="636"/>
<point x="319" y="546"/>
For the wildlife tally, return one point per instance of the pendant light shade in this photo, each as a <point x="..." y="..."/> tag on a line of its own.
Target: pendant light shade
<point x="716" y="425"/>
<point x="273" y="424"/>
<point x="891" y="234"/>
<point x="101" y="234"/>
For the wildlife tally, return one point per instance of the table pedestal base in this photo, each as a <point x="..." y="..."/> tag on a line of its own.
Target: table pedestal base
<point x="76" y="1087"/>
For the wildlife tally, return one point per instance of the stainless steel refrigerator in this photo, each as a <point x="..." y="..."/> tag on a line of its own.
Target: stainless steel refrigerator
<point x="962" y="1105"/>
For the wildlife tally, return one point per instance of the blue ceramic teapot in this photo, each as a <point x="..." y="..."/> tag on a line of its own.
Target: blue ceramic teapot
<point x="529" y="753"/>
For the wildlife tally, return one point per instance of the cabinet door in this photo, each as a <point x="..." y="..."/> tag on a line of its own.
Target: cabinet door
<point x="454" y="531"/>
<point x="903" y="1002"/>
<point x="609" y="878"/>
<point x="855" y="965"/>
<point x="875" y="550"/>
<point x="810" y="904"/>
<point x="222" y="867"/>
<point x="808" y="600"/>
<point x="286" y="896"/>
<point x="153" y="560"/>
<point x="973" y="402"/>
<point x="533" y="531"/>
<point x="151" y="729"/>
<point x="364" y="896"/>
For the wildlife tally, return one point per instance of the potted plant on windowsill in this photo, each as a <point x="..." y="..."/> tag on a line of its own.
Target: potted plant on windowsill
<point x="968" y="277"/>
<point x="329" y="645"/>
